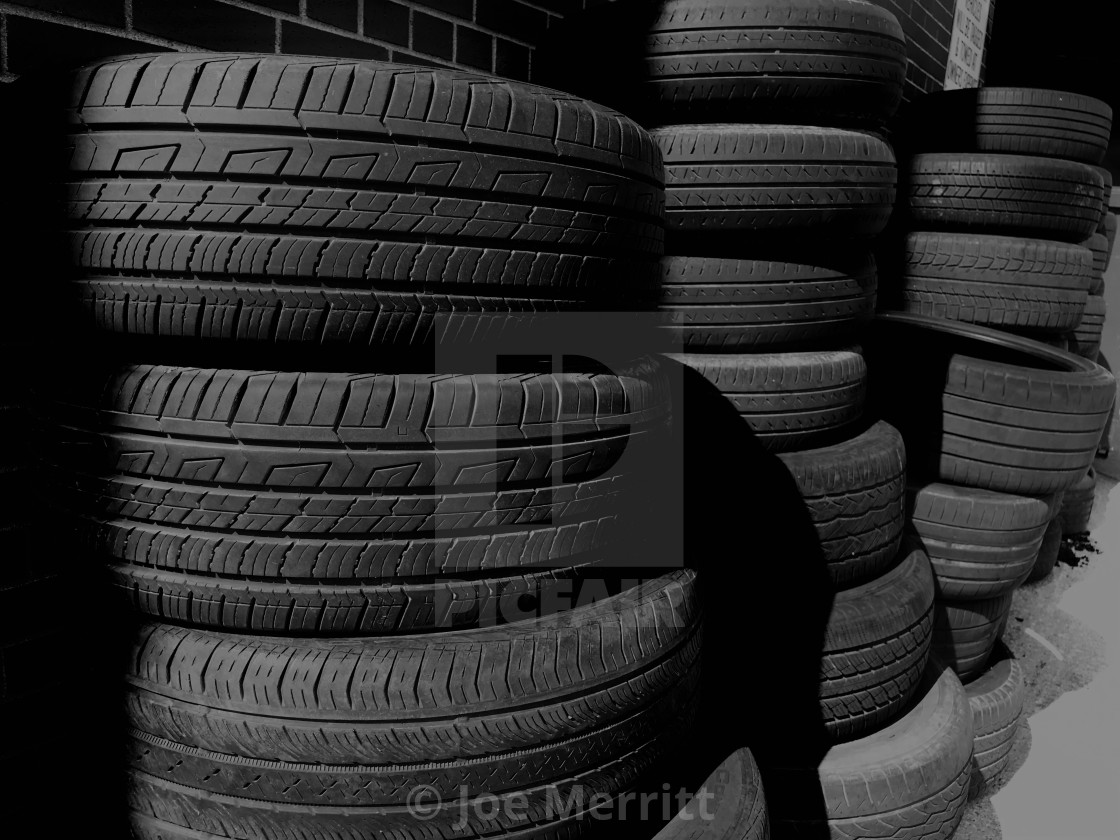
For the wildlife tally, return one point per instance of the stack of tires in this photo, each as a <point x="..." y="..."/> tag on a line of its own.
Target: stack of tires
<point x="767" y="286"/>
<point x="362" y="577"/>
<point x="1010" y="210"/>
<point x="999" y="428"/>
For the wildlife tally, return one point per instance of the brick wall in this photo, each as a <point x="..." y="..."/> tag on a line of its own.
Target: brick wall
<point x="495" y="36"/>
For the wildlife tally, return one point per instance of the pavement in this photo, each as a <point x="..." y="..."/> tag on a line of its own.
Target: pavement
<point x="1063" y="780"/>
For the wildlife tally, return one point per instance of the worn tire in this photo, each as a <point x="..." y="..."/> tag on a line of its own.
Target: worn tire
<point x="1077" y="507"/>
<point x="908" y="780"/>
<point x="767" y="61"/>
<point x="981" y="544"/>
<point x="1106" y="176"/>
<point x="876" y="645"/>
<point x="997" y="698"/>
<point x="1048" y="553"/>
<point x="1085" y="340"/>
<point x="287" y="198"/>
<point x="731" y="304"/>
<point x="998" y="281"/>
<point x="987" y="409"/>
<point x="965" y="632"/>
<point x="789" y="400"/>
<point x="1022" y="196"/>
<point x="855" y="494"/>
<point x="239" y="736"/>
<point x="335" y="503"/>
<point x="777" y="180"/>
<point x="1098" y="244"/>
<point x="736" y="809"/>
<point x="1017" y="121"/>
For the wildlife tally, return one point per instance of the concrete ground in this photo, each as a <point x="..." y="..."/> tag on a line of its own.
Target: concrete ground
<point x="1063" y="781"/>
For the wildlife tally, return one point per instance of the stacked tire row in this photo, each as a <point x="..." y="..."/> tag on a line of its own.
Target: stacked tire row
<point x="1005" y="427"/>
<point x="767" y="286"/>
<point x="361" y="588"/>
<point x="1009" y="213"/>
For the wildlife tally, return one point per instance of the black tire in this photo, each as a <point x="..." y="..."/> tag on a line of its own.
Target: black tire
<point x="1106" y="176"/>
<point x="1110" y="233"/>
<point x="770" y="61"/>
<point x="729" y="806"/>
<point x="789" y="400"/>
<point x="287" y="198"/>
<point x="1085" y="340"/>
<point x="981" y="544"/>
<point x="777" y="180"/>
<point x="1098" y="244"/>
<point x="876" y="646"/>
<point x="965" y="632"/>
<point x="908" y="780"/>
<point x="855" y="494"/>
<point x="335" y="503"/>
<point x="1048" y="553"/>
<point x="1018" y="121"/>
<point x="1077" y="507"/>
<point x="238" y="736"/>
<point x="997" y="698"/>
<point x="731" y="304"/>
<point x="1023" y="196"/>
<point x="998" y="281"/>
<point x="987" y="409"/>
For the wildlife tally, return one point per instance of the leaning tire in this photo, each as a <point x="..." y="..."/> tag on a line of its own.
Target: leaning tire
<point x="981" y="544"/>
<point x="909" y="779"/>
<point x="998" y="281"/>
<point x="965" y="632"/>
<point x="777" y="180"/>
<point x="337" y="503"/>
<point x="1023" y="196"/>
<point x="855" y="493"/>
<point x="1017" y="121"/>
<point x="429" y="203"/>
<point x="987" y="409"/>
<point x="767" y="61"/>
<point x="789" y="400"/>
<point x="996" y="698"/>
<point x="729" y="806"/>
<point x="876" y="645"/>
<point x="730" y="304"/>
<point x="242" y="736"/>
<point x="1077" y="507"/>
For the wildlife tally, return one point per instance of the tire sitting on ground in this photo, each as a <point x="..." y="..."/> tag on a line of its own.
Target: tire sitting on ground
<point x="966" y="632"/>
<point x="789" y="400"/>
<point x="996" y="698"/>
<point x="998" y="281"/>
<point x="909" y="779"/>
<point x="981" y="544"/>
<point x="855" y="493"/>
<point x="250" y="736"/>
<point x="729" y="806"/>
<point x="1018" y="121"/>
<point x="1077" y="507"/>
<point x="1048" y="553"/>
<point x="1006" y="194"/>
<point x="777" y="180"/>
<point x="731" y="304"/>
<point x="876" y="646"/>
<point x="768" y="61"/>
<point x="987" y="409"/>
<point x="336" y="503"/>
<point x="1085" y="340"/>
<point x="337" y="201"/>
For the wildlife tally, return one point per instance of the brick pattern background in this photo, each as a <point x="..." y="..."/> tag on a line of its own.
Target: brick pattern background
<point x="495" y="36"/>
